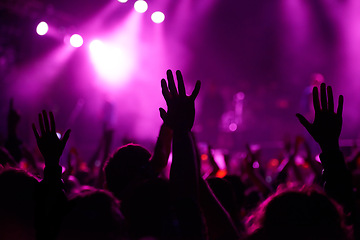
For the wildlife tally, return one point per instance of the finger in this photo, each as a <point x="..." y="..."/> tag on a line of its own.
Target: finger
<point x="165" y="90"/>
<point x="323" y="97"/>
<point x="304" y="122"/>
<point x="163" y="114"/>
<point x="41" y="123"/>
<point x="65" y="137"/>
<point x="196" y="91"/>
<point x="35" y="132"/>
<point x="340" y="105"/>
<point x="46" y="121"/>
<point x="171" y="82"/>
<point x="181" y="86"/>
<point x="316" y="99"/>
<point x="52" y="122"/>
<point x="330" y="99"/>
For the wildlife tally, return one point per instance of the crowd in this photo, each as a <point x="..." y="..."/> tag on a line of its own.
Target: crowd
<point x="128" y="196"/>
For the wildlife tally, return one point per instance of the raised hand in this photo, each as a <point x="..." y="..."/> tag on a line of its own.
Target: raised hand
<point x="181" y="108"/>
<point x="50" y="146"/>
<point x="327" y="124"/>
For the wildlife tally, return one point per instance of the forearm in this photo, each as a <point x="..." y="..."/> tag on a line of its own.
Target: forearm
<point x="183" y="173"/>
<point x="51" y="204"/>
<point x="338" y="183"/>
<point x="162" y="149"/>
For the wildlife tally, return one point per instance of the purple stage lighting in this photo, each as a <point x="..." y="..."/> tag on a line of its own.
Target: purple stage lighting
<point x="157" y="17"/>
<point x="123" y="1"/>
<point x="42" y="28"/>
<point x="76" y="40"/>
<point x="141" y="6"/>
<point x="111" y="62"/>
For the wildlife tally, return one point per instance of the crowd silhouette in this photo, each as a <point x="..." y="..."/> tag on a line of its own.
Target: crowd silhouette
<point x="128" y="195"/>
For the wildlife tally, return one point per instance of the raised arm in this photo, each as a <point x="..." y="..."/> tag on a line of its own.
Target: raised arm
<point x="51" y="199"/>
<point x="180" y="118"/>
<point x="326" y="130"/>
<point x="50" y="146"/>
<point x="162" y="150"/>
<point x="184" y="176"/>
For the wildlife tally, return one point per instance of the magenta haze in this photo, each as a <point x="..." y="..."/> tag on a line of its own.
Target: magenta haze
<point x="267" y="50"/>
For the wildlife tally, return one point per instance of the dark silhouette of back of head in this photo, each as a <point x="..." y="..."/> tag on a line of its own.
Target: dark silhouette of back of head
<point x="148" y="210"/>
<point x="17" y="205"/>
<point x="93" y="214"/>
<point x="304" y="214"/>
<point x="127" y="166"/>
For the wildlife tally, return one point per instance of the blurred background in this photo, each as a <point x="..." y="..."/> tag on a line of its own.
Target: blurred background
<point x="257" y="61"/>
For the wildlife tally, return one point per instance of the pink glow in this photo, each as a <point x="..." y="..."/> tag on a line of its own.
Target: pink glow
<point x="32" y="80"/>
<point x="112" y="62"/>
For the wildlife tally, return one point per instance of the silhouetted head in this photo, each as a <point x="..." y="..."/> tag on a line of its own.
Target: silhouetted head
<point x="93" y="214"/>
<point x="127" y="166"/>
<point x="17" y="204"/>
<point x="298" y="214"/>
<point x="148" y="210"/>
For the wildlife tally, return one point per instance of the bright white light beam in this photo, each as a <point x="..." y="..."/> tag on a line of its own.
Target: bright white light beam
<point x="42" y="28"/>
<point x="141" y="6"/>
<point x="157" y="17"/>
<point x="76" y="40"/>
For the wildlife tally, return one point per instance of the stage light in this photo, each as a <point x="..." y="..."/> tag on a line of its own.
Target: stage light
<point x="76" y="40"/>
<point x="157" y="17"/>
<point x="140" y="6"/>
<point x="42" y="28"/>
<point x="111" y="61"/>
<point x="123" y="1"/>
<point x="233" y="127"/>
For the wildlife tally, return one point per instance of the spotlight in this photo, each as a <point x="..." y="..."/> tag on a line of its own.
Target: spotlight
<point x="140" y="6"/>
<point x="233" y="127"/>
<point x="42" y="28"/>
<point x="123" y="1"/>
<point x="111" y="61"/>
<point x="76" y="40"/>
<point x="157" y="17"/>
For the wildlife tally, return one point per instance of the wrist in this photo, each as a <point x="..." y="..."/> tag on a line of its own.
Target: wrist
<point x="333" y="160"/>
<point x="52" y="173"/>
<point x="330" y="147"/>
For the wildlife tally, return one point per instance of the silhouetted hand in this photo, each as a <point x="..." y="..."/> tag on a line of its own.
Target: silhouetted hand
<point x="50" y="146"/>
<point x="327" y="124"/>
<point x="181" y="109"/>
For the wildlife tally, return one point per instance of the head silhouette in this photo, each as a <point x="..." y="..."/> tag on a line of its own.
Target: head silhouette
<point x="92" y="214"/>
<point x="126" y="167"/>
<point x="17" y="204"/>
<point x="304" y="214"/>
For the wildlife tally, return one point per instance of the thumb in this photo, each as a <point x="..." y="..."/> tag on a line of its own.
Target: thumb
<point x="304" y="122"/>
<point x="163" y="114"/>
